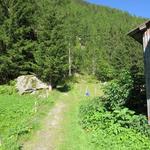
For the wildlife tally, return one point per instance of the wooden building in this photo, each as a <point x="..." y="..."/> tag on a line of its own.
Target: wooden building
<point x="142" y="35"/>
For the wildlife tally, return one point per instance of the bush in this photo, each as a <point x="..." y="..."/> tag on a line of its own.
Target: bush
<point x="7" y="89"/>
<point x="118" y="138"/>
<point x="94" y="115"/>
<point x="117" y="91"/>
<point x="111" y="124"/>
<point x="90" y="113"/>
<point x="117" y="129"/>
<point x="105" y="71"/>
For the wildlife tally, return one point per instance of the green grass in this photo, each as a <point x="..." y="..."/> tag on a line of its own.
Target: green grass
<point x="15" y="115"/>
<point x="73" y="137"/>
<point x="20" y="116"/>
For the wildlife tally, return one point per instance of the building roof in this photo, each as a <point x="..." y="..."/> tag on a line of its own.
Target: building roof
<point x="138" y="32"/>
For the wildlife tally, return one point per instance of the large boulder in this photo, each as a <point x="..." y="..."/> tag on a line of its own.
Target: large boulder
<point x="30" y="84"/>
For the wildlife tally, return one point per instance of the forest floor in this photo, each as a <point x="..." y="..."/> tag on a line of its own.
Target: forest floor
<point x="60" y="130"/>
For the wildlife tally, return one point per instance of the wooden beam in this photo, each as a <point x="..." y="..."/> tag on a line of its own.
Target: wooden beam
<point x="138" y="32"/>
<point x="146" y="47"/>
<point x="142" y="27"/>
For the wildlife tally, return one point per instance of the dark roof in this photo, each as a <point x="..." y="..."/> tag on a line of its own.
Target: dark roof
<point x="138" y="32"/>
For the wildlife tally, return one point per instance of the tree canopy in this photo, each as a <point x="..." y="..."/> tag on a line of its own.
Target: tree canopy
<point x="41" y="37"/>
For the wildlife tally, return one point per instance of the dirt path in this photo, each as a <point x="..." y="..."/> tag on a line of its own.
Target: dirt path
<point x="46" y="138"/>
<point x="61" y="129"/>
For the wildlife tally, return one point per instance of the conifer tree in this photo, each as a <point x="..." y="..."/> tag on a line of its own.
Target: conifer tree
<point x="17" y="36"/>
<point x="51" y="55"/>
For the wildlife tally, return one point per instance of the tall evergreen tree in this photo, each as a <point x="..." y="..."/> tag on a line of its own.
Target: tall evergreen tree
<point x="51" y="55"/>
<point x="17" y="36"/>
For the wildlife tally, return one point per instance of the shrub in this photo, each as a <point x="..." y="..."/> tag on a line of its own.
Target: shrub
<point x="117" y="129"/>
<point x="94" y="115"/>
<point x="117" y="92"/>
<point x="118" y="138"/>
<point x="90" y="113"/>
<point x="111" y="123"/>
<point x="7" y="89"/>
<point x="105" y="71"/>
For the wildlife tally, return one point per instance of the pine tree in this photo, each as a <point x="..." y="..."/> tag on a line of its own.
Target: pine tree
<point x="51" y="55"/>
<point x="17" y="36"/>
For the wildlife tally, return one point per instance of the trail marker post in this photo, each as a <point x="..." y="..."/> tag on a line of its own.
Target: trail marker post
<point x="142" y="35"/>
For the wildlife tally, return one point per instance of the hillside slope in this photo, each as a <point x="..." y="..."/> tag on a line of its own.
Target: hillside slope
<point x="105" y="46"/>
<point x="66" y="35"/>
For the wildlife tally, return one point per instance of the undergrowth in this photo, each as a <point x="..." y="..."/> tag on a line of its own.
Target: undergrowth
<point x="110" y="124"/>
<point x="119" y="129"/>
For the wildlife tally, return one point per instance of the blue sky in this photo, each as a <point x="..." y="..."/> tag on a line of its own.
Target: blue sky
<point x="135" y="7"/>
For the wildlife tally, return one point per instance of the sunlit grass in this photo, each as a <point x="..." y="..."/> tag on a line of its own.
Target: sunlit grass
<point x="73" y="137"/>
<point x="20" y="116"/>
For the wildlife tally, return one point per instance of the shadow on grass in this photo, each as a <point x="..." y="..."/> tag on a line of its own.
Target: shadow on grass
<point x="64" y="88"/>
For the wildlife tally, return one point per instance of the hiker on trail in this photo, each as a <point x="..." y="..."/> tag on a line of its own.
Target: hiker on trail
<point x="87" y="93"/>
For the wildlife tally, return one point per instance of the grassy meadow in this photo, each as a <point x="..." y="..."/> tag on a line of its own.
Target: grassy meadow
<point x="86" y="124"/>
<point x="20" y="116"/>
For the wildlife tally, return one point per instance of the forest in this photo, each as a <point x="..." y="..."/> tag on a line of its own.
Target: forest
<point x="47" y="30"/>
<point x="66" y="42"/>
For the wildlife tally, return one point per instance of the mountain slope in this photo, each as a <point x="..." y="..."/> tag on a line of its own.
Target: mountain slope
<point x="66" y="36"/>
<point x="103" y="34"/>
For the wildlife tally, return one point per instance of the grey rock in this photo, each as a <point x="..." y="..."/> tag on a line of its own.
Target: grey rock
<point x="30" y="84"/>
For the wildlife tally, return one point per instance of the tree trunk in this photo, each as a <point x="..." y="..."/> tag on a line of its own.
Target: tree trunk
<point x="70" y="63"/>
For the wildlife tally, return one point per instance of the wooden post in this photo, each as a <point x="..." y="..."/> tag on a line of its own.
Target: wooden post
<point x="146" y="47"/>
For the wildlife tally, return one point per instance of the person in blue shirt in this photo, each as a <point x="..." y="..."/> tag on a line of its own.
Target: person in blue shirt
<point x="87" y="93"/>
